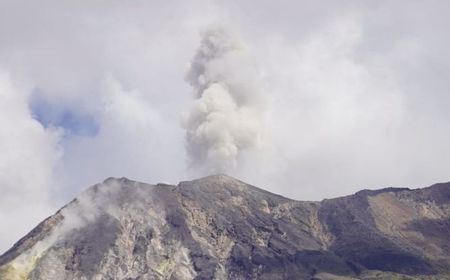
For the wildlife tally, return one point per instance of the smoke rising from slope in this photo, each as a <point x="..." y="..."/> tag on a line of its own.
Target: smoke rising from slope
<point x="225" y="119"/>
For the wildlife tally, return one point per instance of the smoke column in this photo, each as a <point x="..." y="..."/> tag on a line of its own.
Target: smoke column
<point x="225" y="118"/>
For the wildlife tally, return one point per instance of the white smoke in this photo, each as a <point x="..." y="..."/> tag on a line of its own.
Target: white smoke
<point x="226" y="117"/>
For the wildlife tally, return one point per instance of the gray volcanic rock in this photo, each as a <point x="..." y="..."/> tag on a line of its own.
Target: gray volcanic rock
<point x="221" y="228"/>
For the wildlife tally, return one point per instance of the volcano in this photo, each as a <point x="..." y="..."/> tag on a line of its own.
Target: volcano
<point x="219" y="227"/>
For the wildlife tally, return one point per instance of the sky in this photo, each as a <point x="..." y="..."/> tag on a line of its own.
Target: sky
<point x="307" y="99"/>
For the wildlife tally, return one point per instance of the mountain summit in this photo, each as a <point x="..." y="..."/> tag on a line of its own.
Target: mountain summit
<point x="221" y="228"/>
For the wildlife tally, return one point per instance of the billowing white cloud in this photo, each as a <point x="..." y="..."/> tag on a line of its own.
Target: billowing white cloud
<point x="134" y="140"/>
<point x="29" y="154"/>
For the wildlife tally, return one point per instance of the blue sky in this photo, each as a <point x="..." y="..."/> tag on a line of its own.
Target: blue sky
<point x="51" y="113"/>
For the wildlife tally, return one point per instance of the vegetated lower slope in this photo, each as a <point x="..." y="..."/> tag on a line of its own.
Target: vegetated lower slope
<point x="221" y="228"/>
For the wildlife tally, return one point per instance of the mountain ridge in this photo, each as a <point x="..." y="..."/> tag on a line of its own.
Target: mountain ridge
<point x="220" y="227"/>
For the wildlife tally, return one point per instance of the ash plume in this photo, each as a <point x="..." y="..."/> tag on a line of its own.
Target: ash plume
<point x="225" y="119"/>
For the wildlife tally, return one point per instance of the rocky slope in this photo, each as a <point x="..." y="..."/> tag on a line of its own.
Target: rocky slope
<point x="221" y="228"/>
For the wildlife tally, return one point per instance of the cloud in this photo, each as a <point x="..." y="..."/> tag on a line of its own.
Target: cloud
<point x="134" y="140"/>
<point x="29" y="153"/>
<point x="225" y="118"/>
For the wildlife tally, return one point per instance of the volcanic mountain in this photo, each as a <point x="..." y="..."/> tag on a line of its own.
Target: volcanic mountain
<point x="221" y="228"/>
